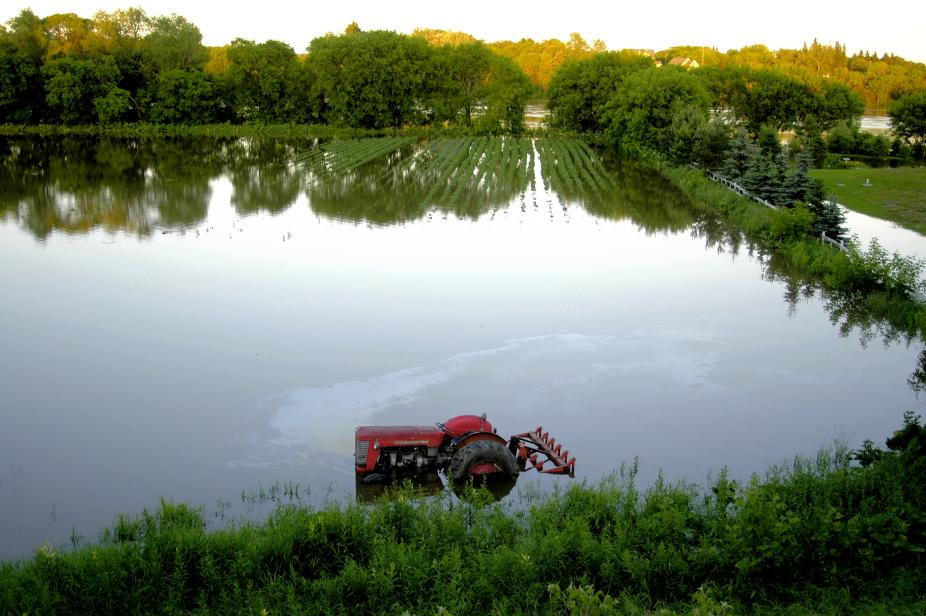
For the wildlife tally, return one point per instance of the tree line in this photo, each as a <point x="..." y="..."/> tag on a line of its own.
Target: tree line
<point x="726" y="120"/>
<point x="126" y="66"/>
<point x="711" y="115"/>
<point x="877" y="79"/>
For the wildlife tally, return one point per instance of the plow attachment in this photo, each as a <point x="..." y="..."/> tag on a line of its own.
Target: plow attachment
<point x="536" y="449"/>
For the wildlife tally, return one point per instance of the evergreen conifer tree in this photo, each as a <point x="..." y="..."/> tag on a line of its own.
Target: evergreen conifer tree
<point x="754" y="178"/>
<point x="738" y="156"/>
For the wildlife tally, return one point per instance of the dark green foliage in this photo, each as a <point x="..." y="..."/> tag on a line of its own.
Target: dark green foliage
<point x="834" y="102"/>
<point x="640" y="115"/>
<point x="73" y="87"/>
<point x="829" y="219"/>
<point x="908" y="115"/>
<point x="865" y="271"/>
<point x="384" y="79"/>
<point x="736" y="161"/>
<point x="184" y="97"/>
<point x="506" y="94"/>
<point x="128" y="67"/>
<point x="580" y="89"/>
<point x="20" y="85"/>
<point x="908" y="119"/>
<point x="846" y="138"/>
<point x="810" y="533"/>
<point x="763" y="171"/>
<point x="841" y="138"/>
<point x="457" y="81"/>
<point x="761" y="96"/>
<point x="369" y="79"/>
<point x="768" y="142"/>
<point x="711" y="144"/>
<point x="173" y="43"/>
<point x="263" y="82"/>
<point x="696" y="139"/>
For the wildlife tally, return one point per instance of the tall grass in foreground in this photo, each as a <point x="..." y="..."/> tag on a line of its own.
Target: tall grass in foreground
<point x="819" y="535"/>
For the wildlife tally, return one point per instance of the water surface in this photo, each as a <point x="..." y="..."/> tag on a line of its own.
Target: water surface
<point x="201" y="320"/>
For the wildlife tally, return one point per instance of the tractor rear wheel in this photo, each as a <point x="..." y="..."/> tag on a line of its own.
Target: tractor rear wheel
<point x="482" y="452"/>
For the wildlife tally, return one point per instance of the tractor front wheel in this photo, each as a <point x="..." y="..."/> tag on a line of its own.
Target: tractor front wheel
<point x="482" y="457"/>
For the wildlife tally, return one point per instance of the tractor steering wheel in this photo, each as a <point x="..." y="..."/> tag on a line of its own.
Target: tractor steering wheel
<point x="441" y="426"/>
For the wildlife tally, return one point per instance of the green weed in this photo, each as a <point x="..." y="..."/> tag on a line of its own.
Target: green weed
<point x="813" y="535"/>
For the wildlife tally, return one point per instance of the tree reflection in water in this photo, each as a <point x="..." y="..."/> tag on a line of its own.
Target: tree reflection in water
<point x="140" y="185"/>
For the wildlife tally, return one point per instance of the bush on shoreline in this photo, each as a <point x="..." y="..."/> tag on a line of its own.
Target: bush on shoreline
<point x="888" y="287"/>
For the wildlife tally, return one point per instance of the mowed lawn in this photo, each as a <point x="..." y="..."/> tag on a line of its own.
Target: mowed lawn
<point x="898" y="195"/>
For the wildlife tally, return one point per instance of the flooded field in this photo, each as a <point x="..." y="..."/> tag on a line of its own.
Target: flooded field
<point x="208" y="320"/>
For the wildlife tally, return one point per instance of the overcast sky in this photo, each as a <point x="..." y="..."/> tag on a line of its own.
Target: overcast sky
<point x="896" y="27"/>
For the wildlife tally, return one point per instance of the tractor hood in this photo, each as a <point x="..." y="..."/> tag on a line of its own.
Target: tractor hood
<point x="401" y="436"/>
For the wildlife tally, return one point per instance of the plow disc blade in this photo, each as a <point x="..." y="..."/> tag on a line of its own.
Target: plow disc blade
<point x="536" y="449"/>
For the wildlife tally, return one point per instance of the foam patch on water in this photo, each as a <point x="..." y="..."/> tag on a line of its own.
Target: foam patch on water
<point x="524" y="371"/>
<point x="322" y="415"/>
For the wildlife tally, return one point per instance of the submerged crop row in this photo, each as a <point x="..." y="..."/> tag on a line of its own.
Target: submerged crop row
<point x="337" y="157"/>
<point x="571" y="168"/>
<point x="819" y="534"/>
<point x="467" y="175"/>
<point x="387" y="180"/>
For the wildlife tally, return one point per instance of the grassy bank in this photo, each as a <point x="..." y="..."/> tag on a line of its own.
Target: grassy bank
<point x="821" y="535"/>
<point x="898" y="195"/>
<point x="865" y="281"/>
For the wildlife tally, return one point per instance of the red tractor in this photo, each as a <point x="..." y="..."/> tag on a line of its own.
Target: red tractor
<point x="462" y="446"/>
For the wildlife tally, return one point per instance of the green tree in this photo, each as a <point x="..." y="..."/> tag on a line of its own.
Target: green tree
<point x="640" y="115"/>
<point x="737" y="156"/>
<point x="369" y="79"/>
<point x="580" y="89"/>
<point x="768" y="141"/>
<point x="260" y="80"/>
<point x="72" y="87"/>
<point x="908" y="117"/>
<point x="66" y="35"/>
<point x="457" y="81"/>
<point x="27" y="33"/>
<point x="118" y="33"/>
<point x="841" y="138"/>
<point x="757" y="174"/>
<point x="184" y="97"/>
<point x="20" y="85"/>
<point x="767" y="97"/>
<point x="173" y="42"/>
<point x="506" y="95"/>
<point x="113" y="105"/>
<point x="832" y="103"/>
<point x="752" y="56"/>
<point x="698" y="139"/>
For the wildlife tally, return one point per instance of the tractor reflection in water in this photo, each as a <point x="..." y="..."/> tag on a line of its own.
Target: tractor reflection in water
<point x="463" y="447"/>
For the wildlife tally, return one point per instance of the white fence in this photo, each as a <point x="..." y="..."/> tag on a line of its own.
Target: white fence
<point x="841" y="245"/>
<point x="739" y="189"/>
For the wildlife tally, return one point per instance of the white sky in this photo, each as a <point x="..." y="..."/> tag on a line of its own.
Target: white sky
<point x="895" y="27"/>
